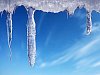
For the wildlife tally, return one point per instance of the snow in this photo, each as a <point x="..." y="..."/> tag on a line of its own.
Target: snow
<point x="52" y="5"/>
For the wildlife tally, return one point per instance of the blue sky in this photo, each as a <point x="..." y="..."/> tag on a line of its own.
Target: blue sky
<point x="62" y="46"/>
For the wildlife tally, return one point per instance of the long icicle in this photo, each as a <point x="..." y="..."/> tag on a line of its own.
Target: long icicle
<point x="89" y="23"/>
<point x="31" y="33"/>
<point x="9" y="31"/>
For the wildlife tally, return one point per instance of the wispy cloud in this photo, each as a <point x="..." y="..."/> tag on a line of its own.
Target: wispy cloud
<point x="77" y="53"/>
<point x="42" y="65"/>
<point x="96" y="64"/>
<point x="86" y="49"/>
<point x="83" y="54"/>
<point x="84" y="63"/>
<point x="97" y="74"/>
<point x="48" y="38"/>
<point x="41" y="20"/>
<point x="58" y="61"/>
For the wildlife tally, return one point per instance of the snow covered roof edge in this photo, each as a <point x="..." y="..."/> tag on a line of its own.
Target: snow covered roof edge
<point x="54" y="6"/>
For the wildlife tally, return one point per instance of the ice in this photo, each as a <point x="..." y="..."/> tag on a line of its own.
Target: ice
<point x="89" y="23"/>
<point x="53" y="6"/>
<point x="9" y="30"/>
<point x="31" y="33"/>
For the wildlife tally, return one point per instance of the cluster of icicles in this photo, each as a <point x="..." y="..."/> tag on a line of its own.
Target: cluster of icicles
<point x="54" y="6"/>
<point x="31" y="33"/>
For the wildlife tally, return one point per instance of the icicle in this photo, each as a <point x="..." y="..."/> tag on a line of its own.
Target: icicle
<point x="67" y="11"/>
<point x="89" y="23"/>
<point x="31" y="33"/>
<point x="67" y="14"/>
<point x="9" y="31"/>
<point x="1" y="13"/>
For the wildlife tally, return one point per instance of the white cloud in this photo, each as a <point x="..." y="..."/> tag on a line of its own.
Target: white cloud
<point x="97" y="74"/>
<point x="97" y="64"/>
<point x="78" y="51"/>
<point x="40" y="22"/>
<point x="58" y="61"/>
<point x="48" y="38"/>
<point x="62" y="59"/>
<point x="43" y="65"/>
<point x="86" y="49"/>
<point x="84" y="63"/>
<point x="75" y="52"/>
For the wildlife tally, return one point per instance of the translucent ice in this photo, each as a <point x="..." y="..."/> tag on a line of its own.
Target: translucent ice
<point x="31" y="32"/>
<point x="9" y="30"/>
<point x="89" y="23"/>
